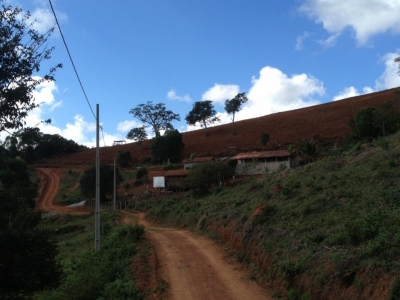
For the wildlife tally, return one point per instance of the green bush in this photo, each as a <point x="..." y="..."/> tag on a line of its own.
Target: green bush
<point x="142" y="174"/>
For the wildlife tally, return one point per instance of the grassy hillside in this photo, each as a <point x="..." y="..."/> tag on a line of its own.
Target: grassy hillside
<point x="327" y="230"/>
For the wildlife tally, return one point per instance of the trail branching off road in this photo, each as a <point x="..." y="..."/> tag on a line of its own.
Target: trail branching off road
<point x="49" y="186"/>
<point x="195" y="267"/>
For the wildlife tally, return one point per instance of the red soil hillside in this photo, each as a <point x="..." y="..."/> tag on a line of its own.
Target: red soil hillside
<point x="326" y="123"/>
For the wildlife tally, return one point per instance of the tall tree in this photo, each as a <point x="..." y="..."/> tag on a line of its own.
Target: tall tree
<point x="168" y="147"/>
<point x="156" y="116"/>
<point x="87" y="183"/>
<point x="22" y="50"/>
<point x="27" y="260"/>
<point x="203" y="112"/>
<point x="137" y="134"/>
<point x="234" y="105"/>
<point x="28" y="257"/>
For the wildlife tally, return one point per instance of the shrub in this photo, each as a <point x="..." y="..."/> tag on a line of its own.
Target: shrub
<point x="204" y="175"/>
<point x="142" y="173"/>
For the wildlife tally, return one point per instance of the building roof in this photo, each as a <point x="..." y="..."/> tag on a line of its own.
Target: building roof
<point x="262" y="154"/>
<point x="198" y="159"/>
<point x="172" y="173"/>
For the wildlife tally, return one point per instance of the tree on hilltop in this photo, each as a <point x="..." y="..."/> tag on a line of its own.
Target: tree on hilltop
<point x="203" y="112"/>
<point x="157" y="116"/>
<point x="234" y="105"/>
<point x="137" y="134"/>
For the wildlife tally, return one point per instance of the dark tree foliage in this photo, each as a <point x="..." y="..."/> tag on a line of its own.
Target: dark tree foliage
<point x="371" y="123"/>
<point x="168" y="147"/>
<point x="30" y="144"/>
<point x="264" y="138"/>
<point x="308" y="150"/>
<point x="203" y="112"/>
<point x="54" y="145"/>
<point x="142" y="174"/>
<point x="22" y="50"/>
<point x="27" y="260"/>
<point x="87" y="182"/>
<point x="156" y="116"/>
<point x="11" y="146"/>
<point x="234" y="105"/>
<point x="203" y="176"/>
<point x="137" y="134"/>
<point x="123" y="158"/>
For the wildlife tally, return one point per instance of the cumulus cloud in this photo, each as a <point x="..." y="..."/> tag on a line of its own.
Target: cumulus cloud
<point x="173" y="96"/>
<point x="336" y="16"/>
<point x="390" y="77"/>
<point x="221" y="92"/>
<point x="387" y="80"/>
<point x="273" y="91"/>
<point x="44" y="96"/>
<point x="126" y="125"/>
<point x="346" y="93"/>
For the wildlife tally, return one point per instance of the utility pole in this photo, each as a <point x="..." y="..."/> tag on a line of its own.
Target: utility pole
<point x="115" y="186"/>
<point x="97" y="209"/>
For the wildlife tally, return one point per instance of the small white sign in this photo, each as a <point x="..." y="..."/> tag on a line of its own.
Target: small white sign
<point x="159" y="182"/>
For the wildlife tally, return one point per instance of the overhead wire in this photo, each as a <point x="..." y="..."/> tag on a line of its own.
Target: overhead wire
<point x="73" y="65"/>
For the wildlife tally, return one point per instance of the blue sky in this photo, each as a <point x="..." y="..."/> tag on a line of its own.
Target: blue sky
<point x="283" y="54"/>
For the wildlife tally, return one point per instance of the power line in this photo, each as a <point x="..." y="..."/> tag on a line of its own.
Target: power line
<point x="76" y="72"/>
<point x="102" y="133"/>
<point x="70" y="57"/>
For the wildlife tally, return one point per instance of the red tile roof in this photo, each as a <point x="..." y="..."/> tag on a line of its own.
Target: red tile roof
<point x="198" y="159"/>
<point x="172" y="173"/>
<point x="263" y="154"/>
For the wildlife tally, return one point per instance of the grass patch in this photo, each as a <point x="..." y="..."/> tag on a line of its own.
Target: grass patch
<point x="88" y="274"/>
<point x="70" y="192"/>
<point x="325" y="212"/>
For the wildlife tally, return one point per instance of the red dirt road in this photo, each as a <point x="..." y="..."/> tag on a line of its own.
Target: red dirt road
<point x="195" y="267"/>
<point x="49" y="186"/>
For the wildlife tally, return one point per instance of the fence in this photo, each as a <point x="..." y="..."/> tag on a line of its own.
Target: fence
<point x="119" y="205"/>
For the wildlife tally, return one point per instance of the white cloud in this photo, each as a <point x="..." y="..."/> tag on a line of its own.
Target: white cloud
<point x="126" y="125"/>
<point x="44" y="20"/>
<point x="365" y="17"/>
<point x="390" y="77"/>
<point x="300" y="39"/>
<point x="330" y="41"/>
<point x="387" y="80"/>
<point x="273" y="91"/>
<point x="43" y="95"/>
<point x="346" y="93"/>
<point x="221" y="92"/>
<point x="173" y="96"/>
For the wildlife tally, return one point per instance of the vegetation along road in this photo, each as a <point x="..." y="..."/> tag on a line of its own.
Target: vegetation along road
<point x="194" y="266"/>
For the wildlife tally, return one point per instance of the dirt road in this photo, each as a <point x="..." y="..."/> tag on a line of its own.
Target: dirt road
<point x="195" y="267"/>
<point x="49" y="186"/>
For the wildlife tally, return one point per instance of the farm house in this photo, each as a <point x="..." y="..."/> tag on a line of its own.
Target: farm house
<point x="251" y="163"/>
<point x="173" y="178"/>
